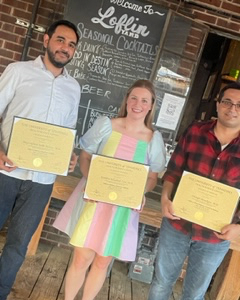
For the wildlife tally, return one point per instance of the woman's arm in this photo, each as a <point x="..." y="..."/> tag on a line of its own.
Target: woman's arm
<point x="150" y="185"/>
<point x="84" y="160"/>
<point x="151" y="181"/>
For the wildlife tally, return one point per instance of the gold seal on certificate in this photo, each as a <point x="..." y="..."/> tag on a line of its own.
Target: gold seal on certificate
<point x="204" y="201"/>
<point x="41" y="147"/>
<point x="116" y="181"/>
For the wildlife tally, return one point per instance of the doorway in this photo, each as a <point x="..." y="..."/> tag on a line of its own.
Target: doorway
<point x="220" y="56"/>
<point x="201" y="104"/>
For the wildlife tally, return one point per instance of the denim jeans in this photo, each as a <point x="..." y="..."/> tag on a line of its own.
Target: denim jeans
<point x="203" y="260"/>
<point x="25" y="201"/>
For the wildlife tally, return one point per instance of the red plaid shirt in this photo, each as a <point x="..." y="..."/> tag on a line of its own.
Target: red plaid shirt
<point x="199" y="151"/>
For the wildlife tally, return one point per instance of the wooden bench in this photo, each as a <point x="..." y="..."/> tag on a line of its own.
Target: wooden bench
<point x="226" y="284"/>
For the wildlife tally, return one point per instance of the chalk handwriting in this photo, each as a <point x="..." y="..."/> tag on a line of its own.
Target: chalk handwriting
<point x="128" y="5"/>
<point x="146" y="9"/>
<point x="88" y="89"/>
<point x="133" y="45"/>
<point x="94" y="35"/>
<point x="122" y="25"/>
<point x="78" y="74"/>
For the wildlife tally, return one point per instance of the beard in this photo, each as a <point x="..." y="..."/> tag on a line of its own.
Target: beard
<point x="54" y="61"/>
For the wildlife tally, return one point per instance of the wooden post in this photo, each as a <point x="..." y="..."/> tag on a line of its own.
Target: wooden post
<point x="32" y="247"/>
<point x="62" y="189"/>
<point x="226" y="285"/>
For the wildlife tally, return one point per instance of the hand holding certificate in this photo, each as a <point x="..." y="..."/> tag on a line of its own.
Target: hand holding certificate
<point x="205" y="202"/>
<point x="40" y="146"/>
<point x="116" y="181"/>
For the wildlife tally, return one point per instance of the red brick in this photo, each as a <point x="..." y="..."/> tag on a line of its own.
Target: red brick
<point x="5" y="9"/>
<point x="13" y="47"/>
<point x="8" y="36"/>
<point x="33" y="53"/>
<point x="7" y="18"/>
<point x="196" y="33"/>
<point x="51" y="221"/>
<point x="29" y="7"/>
<point x="205" y="17"/>
<point x="52" y="213"/>
<point x="45" y="21"/>
<point x="35" y="35"/>
<point x="36" y="45"/>
<point x="8" y="27"/>
<point x="187" y="12"/>
<point x="22" y="14"/>
<point x="216" y="3"/>
<point x="39" y="37"/>
<point x="186" y="64"/>
<point x="6" y="53"/>
<point x="5" y="61"/>
<point x="17" y="56"/>
<point x="49" y="5"/>
<point x="192" y="7"/>
<point x="194" y="41"/>
<point x="20" y="30"/>
<point x="45" y="12"/>
<point x="192" y="50"/>
<point x="14" y="3"/>
<point x="43" y="234"/>
<point x="231" y="7"/>
<point x="228" y="25"/>
<point x="50" y="228"/>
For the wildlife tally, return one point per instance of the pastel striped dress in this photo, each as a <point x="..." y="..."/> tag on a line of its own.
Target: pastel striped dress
<point x="107" y="229"/>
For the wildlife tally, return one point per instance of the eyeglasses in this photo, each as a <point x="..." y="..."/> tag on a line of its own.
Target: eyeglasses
<point x="229" y="104"/>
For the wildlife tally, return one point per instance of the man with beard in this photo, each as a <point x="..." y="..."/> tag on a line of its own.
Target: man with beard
<point x="41" y="90"/>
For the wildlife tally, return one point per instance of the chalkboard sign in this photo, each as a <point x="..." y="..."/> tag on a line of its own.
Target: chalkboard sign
<point x="118" y="44"/>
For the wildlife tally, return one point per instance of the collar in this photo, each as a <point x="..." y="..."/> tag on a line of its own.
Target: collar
<point x="210" y="129"/>
<point x="38" y="62"/>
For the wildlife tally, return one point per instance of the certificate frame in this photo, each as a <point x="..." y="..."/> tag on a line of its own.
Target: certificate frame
<point x="39" y="146"/>
<point x="205" y="202"/>
<point x="116" y="181"/>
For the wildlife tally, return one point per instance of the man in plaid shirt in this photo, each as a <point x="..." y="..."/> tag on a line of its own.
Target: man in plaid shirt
<point x="210" y="150"/>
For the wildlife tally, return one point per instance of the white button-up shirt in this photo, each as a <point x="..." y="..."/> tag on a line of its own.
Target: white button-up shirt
<point x="29" y="90"/>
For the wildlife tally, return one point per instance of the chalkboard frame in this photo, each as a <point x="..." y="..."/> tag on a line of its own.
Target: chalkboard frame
<point x="118" y="39"/>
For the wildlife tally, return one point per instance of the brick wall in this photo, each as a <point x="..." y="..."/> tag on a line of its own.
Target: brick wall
<point x="12" y="36"/>
<point x="49" y="233"/>
<point x="223" y="15"/>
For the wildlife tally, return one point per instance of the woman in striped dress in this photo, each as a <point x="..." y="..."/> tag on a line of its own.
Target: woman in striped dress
<point x="101" y="231"/>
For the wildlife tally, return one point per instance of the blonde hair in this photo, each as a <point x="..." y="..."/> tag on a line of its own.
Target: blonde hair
<point x="141" y="83"/>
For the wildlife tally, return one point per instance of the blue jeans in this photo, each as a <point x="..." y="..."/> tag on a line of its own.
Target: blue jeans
<point x="203" y="260"/>
<point x="25" y="201"/>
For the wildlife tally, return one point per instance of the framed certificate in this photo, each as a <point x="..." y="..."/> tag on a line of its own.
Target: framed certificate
<point x="41" y="147"/>
<point x="205" y="202"/>
<point x="116" y="181"/>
